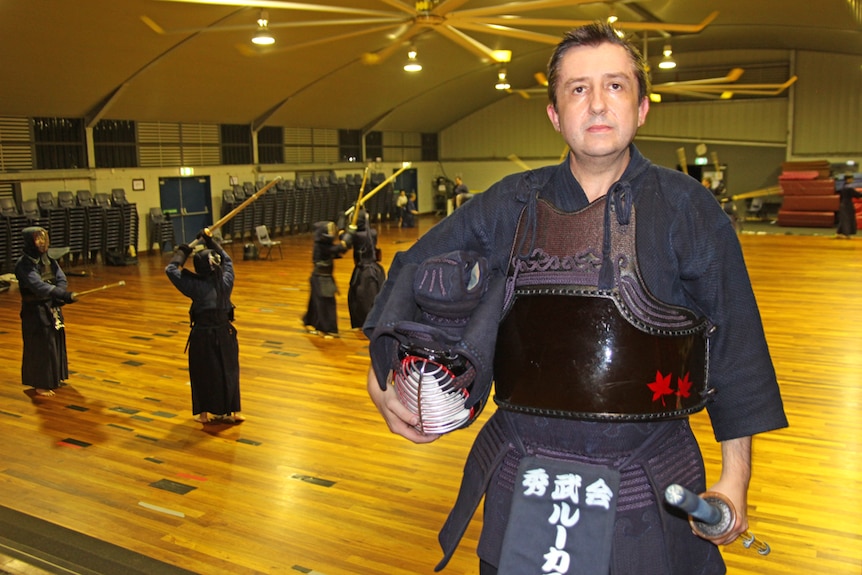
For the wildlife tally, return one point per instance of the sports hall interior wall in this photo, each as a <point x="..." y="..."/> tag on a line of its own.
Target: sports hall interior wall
<point x="751" y="137"/>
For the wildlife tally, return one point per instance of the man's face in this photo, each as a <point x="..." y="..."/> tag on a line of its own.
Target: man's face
<point x="598" y="111"/>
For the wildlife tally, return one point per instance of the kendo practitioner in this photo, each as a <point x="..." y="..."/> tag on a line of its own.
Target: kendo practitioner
<point x="212" y="344"/>
<point x="320" y="316"/>
<point x="627" y="307"/>
<point x="847" y="208"/>
<point x="44" y="291"/>
<point x="368" y="275"/>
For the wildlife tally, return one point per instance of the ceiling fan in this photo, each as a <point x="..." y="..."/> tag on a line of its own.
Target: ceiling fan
<point x="409" y="20"/>
<point x="722" y="88"/>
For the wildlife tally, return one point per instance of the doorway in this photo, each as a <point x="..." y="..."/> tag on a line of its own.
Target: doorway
<point x="188" y="204"/>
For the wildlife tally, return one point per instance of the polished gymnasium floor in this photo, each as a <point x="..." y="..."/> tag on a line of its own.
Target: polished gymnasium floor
<point x="112" y="475"/>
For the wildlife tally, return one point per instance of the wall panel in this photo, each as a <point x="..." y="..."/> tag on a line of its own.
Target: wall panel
<point x="761" y="121"/>
<point x="828" y="116"/>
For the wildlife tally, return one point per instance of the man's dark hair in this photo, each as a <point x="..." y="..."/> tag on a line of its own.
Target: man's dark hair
<point x="596" y="34"/>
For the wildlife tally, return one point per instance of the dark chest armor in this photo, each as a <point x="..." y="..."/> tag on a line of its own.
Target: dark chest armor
<point x="567" y="348"/>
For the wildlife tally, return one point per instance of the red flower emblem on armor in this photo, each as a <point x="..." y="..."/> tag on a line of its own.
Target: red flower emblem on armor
<point x="684" y="385"/>
<point x="660" y="387"/>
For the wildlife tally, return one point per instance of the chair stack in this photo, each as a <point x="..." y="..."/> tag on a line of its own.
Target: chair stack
<point x="94" y="224"/>
<point x="30" y="210"/>
<point x="268" y="205"/>
<point x="12" y="222"/>
<point x="280" y="193"/>
<point x="233" y="227"/>
<point x="75" y="223"/>
<point x="129" y="226"/>
<point x="161" y="231"/>
<point x="288" y="223"/>
<point x="304" y="199"/>
<point x="52" y="219"/>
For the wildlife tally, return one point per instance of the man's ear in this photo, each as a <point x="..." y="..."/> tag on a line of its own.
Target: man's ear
<point x="553" y="116"/>
<point x="643" y="108"/>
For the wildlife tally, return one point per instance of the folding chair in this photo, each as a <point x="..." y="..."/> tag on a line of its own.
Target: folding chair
<point x="265" y="241"/>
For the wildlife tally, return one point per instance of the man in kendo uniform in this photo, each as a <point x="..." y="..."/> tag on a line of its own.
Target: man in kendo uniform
<point x="368" y="275"/>
<point x="44" y="291"/>
<point x="627" y="307"/>
<point x="321" y="315"/>
<point x="212" y="345"/>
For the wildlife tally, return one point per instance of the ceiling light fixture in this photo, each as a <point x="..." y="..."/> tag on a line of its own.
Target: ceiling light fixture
<point x="501" y="56"/>
<point x="412" y="64"/>
<point x="667" y="61"/>
<point x="502" y="82"/>
<point x="262" y="37"/>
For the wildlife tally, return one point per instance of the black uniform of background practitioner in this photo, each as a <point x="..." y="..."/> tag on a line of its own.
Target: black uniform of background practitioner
<point x="368" y="275"/>
<point x="606" y="225"/>
<point x="212" y="345"/>
<point x="847" y="209"/>
<point x="321" y="315"/>
<point x="43" y="287"/>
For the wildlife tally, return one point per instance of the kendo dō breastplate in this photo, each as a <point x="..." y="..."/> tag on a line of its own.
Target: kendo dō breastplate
<point x="569" y="349"/>
<point x="46" y="273"/>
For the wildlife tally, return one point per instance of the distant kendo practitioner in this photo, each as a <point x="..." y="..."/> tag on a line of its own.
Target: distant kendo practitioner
<point x="43" y="287"/>
<point x="321" y="316"/>
<point x="368" y="275"/>
<point x="212" y="345"/>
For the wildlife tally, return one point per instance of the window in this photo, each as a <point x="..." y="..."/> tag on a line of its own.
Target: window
<point x="235" y="144"/>
<point x="429" y="148"/>
<point x="270" y="145"/>
<point x="374" y="145"/>
<point x="60" y="143"/>
<point x="350" y="145"/>
<point x="115" y="144"/>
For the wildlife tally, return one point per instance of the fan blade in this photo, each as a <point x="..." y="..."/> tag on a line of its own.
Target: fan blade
<point x="632" y="26"/>
<point x="528" y="93"/>
<point x="680" y="91"/>
<point x="466" y="42"/>
<point x="247" y="50"/>
<point x="522" y="93"/>
<point x="704" y="90"/>
<point x="348" y="22"/>
<point x="447" y="6"/>
<point x="272" y="25"/>
<point x="763" y="89"/>
<point x="680" y="155"/>
<point x="212" y="26"/>
<point x="518" y="161"/>
<point x="496" y="16"/>
<point x="507" y="31"/>
<point x="280" y="5"/>
<point x="732" y="76"/>
<point x="380" y="55"/>
<point x="513" y="7"/>
<point x="397" y="4"/>
<point x="667" y="27"/>
<point x="541" y="78"/>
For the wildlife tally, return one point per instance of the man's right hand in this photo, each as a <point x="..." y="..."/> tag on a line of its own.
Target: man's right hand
<point x="399" y="419"/>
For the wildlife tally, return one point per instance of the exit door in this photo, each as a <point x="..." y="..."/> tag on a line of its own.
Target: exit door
<point x="188" y="204"/>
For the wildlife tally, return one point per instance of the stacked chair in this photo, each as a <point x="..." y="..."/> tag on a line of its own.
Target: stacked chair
<point x="12" y="222"/>
<point x="161" y="231"/>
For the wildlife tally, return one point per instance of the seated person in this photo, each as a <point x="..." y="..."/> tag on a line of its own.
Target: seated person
<point x="461" y="192"/>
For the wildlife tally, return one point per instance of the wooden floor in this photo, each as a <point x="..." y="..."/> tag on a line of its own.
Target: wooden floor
<point x="313" y="482"/>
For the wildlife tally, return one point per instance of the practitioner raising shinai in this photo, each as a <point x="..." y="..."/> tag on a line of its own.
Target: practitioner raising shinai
<point x="212" y="345"/>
